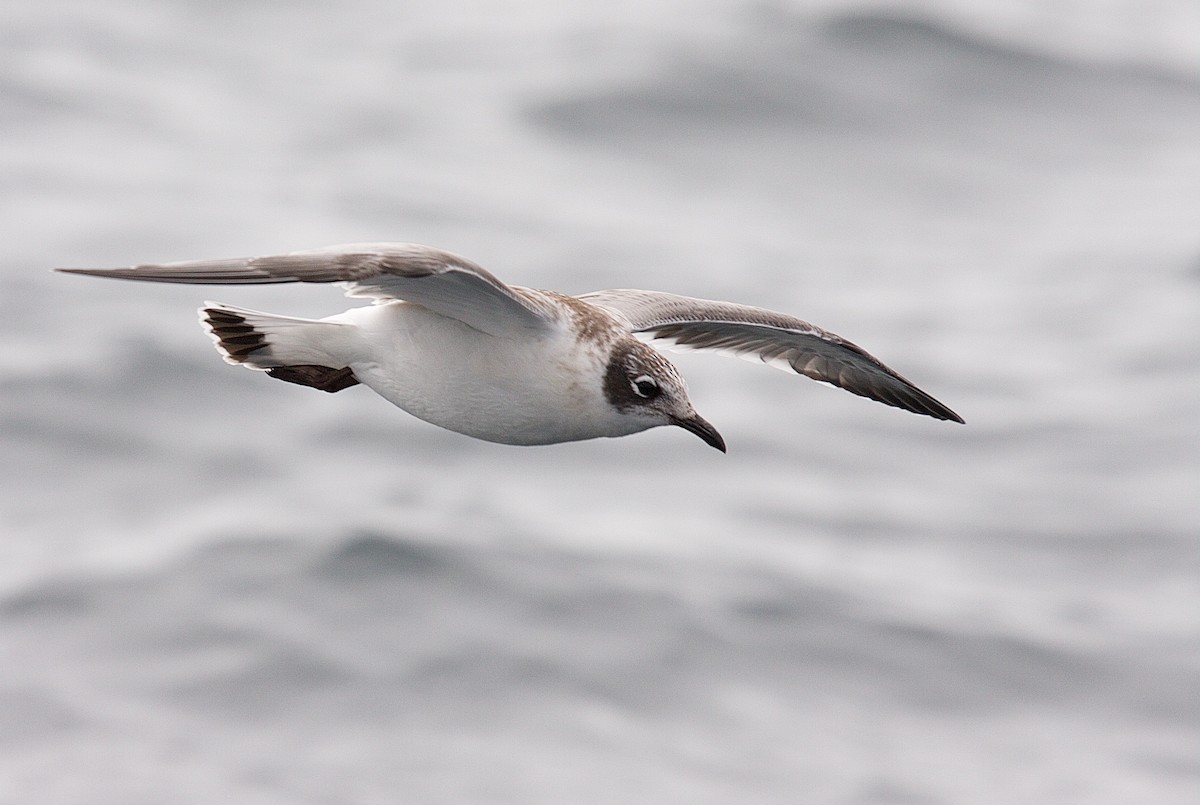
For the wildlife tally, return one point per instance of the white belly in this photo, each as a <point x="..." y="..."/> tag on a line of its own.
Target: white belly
<point x="538" y="390"/>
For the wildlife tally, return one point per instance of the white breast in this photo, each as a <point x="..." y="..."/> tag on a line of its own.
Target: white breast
<point x="535" y="390"/>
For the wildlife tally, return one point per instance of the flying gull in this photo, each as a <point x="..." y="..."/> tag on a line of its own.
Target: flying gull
<point x="448" y="342"/>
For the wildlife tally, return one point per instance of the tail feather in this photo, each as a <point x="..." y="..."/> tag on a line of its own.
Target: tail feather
<point x="287" y="348"/>
<point x="235" y="337"/>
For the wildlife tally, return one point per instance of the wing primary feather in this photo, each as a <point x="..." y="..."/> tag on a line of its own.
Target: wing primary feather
<point x="775" y="338"/>
<point x="210" y="272"/>
<point x="441" y="281"/>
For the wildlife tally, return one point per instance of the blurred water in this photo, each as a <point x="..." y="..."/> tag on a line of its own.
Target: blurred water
<point x="215" y="587"/>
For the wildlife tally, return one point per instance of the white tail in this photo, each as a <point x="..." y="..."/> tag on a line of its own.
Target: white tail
<point x="285" y="347"/>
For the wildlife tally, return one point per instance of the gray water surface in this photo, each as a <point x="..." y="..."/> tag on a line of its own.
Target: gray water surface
<point x="215" y="587"/>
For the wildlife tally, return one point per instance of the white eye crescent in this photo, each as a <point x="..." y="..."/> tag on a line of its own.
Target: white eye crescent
<point x="645" y="387"/>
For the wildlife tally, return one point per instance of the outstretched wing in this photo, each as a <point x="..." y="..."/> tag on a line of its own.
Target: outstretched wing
<point x="775" y="338"/>
<point x="443" y="282"/>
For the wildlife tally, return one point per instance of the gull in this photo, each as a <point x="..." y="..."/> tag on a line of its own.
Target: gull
<point x="451" y="344"/>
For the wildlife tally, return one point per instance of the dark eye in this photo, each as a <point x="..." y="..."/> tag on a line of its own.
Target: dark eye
<point x="645" y="387"/>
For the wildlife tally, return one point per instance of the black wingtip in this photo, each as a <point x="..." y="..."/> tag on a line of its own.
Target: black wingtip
<point x="931" y="407"/>
<point x="945" y="415"/>
<point x="913" y="399"/>
<point x="926" y="406"/>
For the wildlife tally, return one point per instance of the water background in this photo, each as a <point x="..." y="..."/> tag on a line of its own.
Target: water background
<point x="215" y="587"/>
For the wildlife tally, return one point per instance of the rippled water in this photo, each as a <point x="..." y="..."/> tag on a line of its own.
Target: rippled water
<point x="216" y="587"/>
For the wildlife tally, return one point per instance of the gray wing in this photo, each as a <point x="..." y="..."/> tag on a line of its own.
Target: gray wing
<point x="775" y="338"/>
<point x="443" y="282"/>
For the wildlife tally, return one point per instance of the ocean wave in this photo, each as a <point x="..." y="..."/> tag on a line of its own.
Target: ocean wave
<point x="374" y="637"/>
<point x="236" y="618"/>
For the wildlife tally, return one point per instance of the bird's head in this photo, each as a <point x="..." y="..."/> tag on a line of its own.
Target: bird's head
<point x="645" y="387"/>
